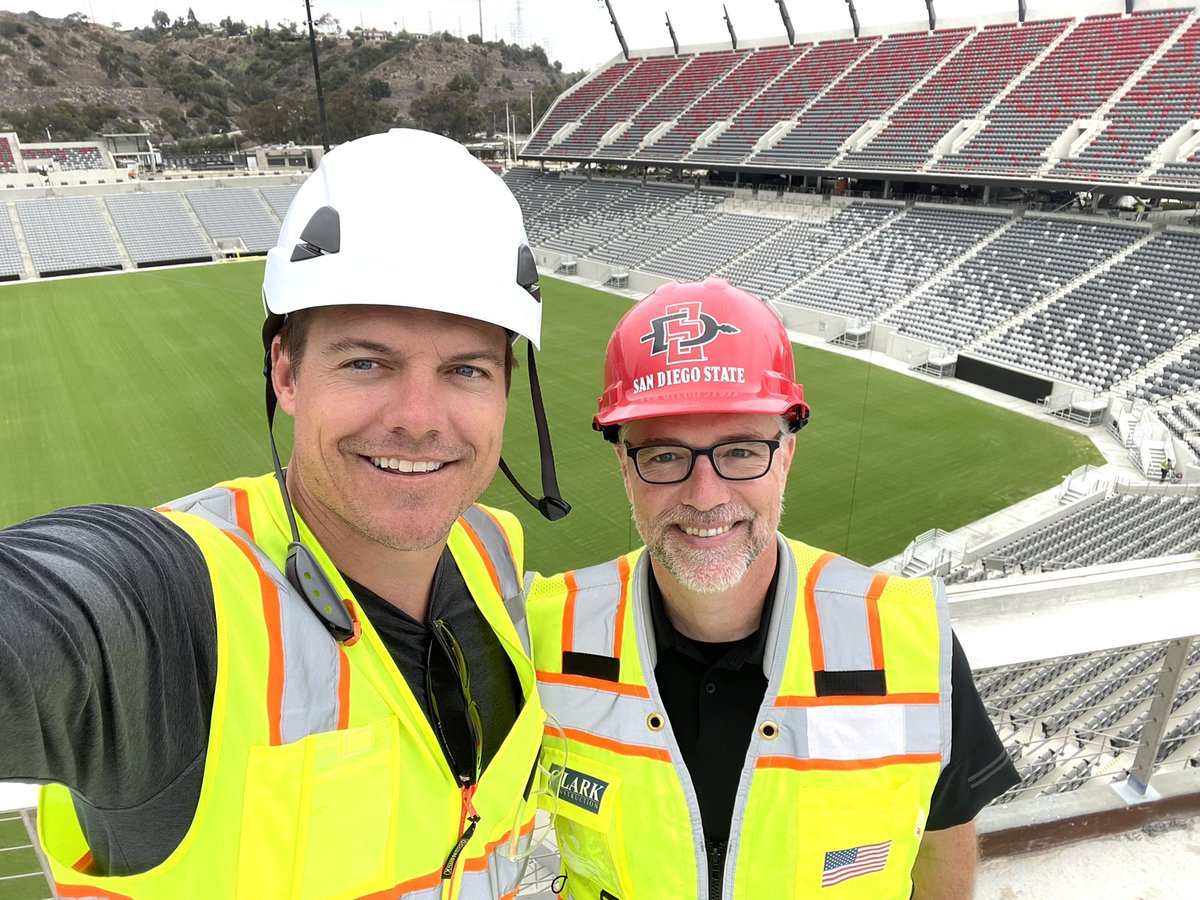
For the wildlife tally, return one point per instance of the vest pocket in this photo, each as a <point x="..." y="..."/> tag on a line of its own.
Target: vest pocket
<point x="860" y="843"/>
<point x="319" y="815"/>
<point x="587" y="825"/>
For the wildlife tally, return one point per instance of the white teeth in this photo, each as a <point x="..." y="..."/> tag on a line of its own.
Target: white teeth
<point x="705" y="532"/>
<point x="406" y="465"/>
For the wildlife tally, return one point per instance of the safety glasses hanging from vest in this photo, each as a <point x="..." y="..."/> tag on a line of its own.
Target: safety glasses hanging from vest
<point x="541" y="797"/>
<point x="461" y="735"/>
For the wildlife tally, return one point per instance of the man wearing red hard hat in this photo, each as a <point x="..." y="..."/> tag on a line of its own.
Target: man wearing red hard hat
<point x="742" y="715"/>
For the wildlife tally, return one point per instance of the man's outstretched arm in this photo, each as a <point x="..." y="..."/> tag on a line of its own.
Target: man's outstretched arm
<point x="107" y="652"/>
<point x="945" y="866"/>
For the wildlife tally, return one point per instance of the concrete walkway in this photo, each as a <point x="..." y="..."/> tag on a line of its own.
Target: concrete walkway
<point x="1159" y="862"/>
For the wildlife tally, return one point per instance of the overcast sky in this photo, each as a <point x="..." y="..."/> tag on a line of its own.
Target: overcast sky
<point x="577" y="32"/>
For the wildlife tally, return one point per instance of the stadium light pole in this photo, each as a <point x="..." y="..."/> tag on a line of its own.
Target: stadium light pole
<point x="312" y="43"/>
<point x="787" y="22"/>
<point x="612" y="16"/>
<point x="1021" y="10"/>
<point x="932" y="15"/>
<point x="671" y="31"/>
<point x="729" y="25"/>
<point x="853" y="16"/>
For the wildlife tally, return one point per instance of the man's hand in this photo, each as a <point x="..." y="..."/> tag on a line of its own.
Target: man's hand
<point x="945" y="866"/>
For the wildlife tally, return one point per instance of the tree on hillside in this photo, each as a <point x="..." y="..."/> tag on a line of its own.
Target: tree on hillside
<point x="352" y="111"/>
<point x="160" y="20"/>
<point x="231" y="28"/>
<point x="110" y="61"/>
<point x="282" y="119"/>
<point x="451" y="113"/>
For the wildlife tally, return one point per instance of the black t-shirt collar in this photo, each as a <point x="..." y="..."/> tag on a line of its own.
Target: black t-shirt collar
<point x="750" y="649"/>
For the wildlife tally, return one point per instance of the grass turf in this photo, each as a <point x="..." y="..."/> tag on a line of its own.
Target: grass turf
<point x="140" y="387"/>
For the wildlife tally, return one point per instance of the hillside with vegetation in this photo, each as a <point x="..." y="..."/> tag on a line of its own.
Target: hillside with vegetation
<point x="192" y="83"/>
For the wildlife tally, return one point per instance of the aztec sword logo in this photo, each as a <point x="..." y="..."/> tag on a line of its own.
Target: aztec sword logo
<point x="683" y="332"/>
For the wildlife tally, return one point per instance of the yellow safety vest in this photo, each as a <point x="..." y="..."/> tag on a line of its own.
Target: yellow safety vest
<point x="852" y="734"/>
<point x="323" y="777"/>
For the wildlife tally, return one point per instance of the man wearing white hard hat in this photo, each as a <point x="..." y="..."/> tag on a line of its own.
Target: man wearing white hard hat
<point x="313" y="683"/>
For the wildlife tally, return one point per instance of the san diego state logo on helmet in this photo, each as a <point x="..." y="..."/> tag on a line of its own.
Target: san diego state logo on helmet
<point x="683" y="331"/>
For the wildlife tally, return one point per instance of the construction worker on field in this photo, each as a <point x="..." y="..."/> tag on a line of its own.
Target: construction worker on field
<point x="742" y="715"/>
<point x="313" y="684"/>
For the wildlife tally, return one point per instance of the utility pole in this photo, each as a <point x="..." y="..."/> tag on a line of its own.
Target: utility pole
<point x="312" y="43"/>
<point x="481" y="21"/>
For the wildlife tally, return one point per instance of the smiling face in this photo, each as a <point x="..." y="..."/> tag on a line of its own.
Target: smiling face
<point x="399" y="418"/>
<point x="708" y="533"/>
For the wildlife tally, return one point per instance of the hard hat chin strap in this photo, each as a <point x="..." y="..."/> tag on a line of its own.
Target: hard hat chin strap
<point x="303" y="571"/>
<point x="551" y="505"/>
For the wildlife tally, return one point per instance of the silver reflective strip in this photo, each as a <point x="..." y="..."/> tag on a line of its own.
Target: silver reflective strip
<point x="311" y="666"/>
<point x="923" y="729"/>
<point x="840" y="594"/>
<point x="793" y="736"/>
<point x="597" y="598"/>
<point x="606" y="714"/>
<point x="847" y="732"/>
<point x="522" y="626"/>
<point x="946" y="654"/>
<point x="870" y="732"/>
<point x="642" y="619"/>
<point x="429" y="893"/>
<point x="501" y="877"/>
<point x="214" y="505"/>
<point x="495" y="544"/>
<point x="783" y="613"/>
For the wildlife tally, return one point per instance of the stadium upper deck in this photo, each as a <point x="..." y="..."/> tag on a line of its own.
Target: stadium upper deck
<point x="1108" y="100"/>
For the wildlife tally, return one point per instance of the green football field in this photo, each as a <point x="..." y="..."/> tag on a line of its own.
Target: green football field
<point x="141" y="387"/>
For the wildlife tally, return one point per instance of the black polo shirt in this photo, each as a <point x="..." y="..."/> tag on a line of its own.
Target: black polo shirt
<point x="494" y="684"/>
<point x="712" y="693"/>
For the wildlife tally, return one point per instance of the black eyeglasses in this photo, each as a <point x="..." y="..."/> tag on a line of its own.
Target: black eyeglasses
<point x="732" y="460"/>
<point x="445" y="663"/>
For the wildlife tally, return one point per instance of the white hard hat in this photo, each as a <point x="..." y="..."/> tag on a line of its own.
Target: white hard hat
<point x="405" y="218"/>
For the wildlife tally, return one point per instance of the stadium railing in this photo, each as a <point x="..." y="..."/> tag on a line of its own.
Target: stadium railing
<point x="1092" y="678"/>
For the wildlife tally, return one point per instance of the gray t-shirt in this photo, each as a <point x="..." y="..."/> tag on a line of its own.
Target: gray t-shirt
<point x="108" y="663"/>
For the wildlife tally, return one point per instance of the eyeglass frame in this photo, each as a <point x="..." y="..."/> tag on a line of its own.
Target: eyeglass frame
<point x="773" y="445"/>
<point x="444" y="638"/>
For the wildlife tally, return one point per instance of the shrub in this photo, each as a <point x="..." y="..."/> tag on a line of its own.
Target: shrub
<point x="40" y="77"/>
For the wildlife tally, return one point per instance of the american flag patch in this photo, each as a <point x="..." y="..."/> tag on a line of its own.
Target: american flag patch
<point x="841" y="865"/>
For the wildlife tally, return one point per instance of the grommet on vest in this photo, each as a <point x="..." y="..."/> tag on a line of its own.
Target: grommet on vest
<point x="656" y="721"/>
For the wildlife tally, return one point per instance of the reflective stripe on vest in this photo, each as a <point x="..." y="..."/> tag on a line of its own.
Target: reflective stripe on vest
<point x="841" y="600"/>
<point x="835" y="731"/>
<point x="305" y="659"/>
<point x="595" y="626"/>
<point x="307" y="665"/>
<point x="492" y="544"/>
<point x="843" y="618"/>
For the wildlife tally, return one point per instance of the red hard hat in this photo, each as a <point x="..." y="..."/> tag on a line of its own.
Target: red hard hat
<point x="699" y="347"/>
